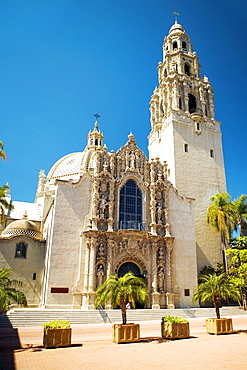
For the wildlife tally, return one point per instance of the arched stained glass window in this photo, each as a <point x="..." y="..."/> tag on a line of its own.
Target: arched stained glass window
<point x="130" y="207"/>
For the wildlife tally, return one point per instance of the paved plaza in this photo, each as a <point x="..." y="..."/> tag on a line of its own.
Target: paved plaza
<point x="92" y="348"/>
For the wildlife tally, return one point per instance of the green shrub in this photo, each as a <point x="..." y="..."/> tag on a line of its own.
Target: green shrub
<point x="56" y="324"/>
<point x="174" y="319"/>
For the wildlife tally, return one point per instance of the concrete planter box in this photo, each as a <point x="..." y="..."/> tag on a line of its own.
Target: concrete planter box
<point x="219" y="326"/>
<point x="125" y="333"/>
<point x="175" y="330"/>
<point x="57" y="337"/>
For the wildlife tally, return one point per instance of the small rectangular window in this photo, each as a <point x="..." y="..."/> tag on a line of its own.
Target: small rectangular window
<point x="211" y="153"/>
<point x="21" y="250"/>
<point x="186" y="148"/>
<point x="186" y="292"/>
<point x="34" y="276"/>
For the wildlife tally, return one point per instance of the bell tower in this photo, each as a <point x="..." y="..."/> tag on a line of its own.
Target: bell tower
<point x="185" y="134"/>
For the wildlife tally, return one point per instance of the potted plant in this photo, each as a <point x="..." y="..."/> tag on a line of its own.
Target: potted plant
<point x="174" y="327"/>
<point x="216" y="288"/>
<point x="119" y="291"/>
<point x="57" y="333"/>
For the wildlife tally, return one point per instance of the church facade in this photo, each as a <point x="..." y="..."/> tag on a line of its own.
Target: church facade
<point x="98" y="212"/>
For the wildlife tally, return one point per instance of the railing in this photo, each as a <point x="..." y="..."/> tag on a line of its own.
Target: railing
<point x="103" y="314"/>
<point x="134" y="225"/>
<point x="187" y="309"/>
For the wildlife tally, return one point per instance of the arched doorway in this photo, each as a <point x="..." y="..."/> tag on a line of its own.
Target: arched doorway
<point x="131" y="267"/>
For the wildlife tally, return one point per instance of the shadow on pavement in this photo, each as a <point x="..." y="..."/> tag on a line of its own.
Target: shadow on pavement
<point x="161" y="340"/>
<point x="9" y="341"/>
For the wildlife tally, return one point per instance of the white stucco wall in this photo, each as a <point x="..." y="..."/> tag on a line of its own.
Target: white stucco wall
<point x="72" y="204"/>
<point x="181" y="218"/>
<point x="24" y="268"/>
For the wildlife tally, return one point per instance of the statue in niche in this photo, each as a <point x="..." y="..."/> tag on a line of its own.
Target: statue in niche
<point x="158" y="195"/>
<point x="159" y="213"/>
<point x="161" y="254"/>
<point x="103" y="186"/>
<point x="101" y="250"/>
<point x="132" y="160"/>
<point x="102" y="206"/>
<point x="161" y="279"/>
<point x="100" y="274"/>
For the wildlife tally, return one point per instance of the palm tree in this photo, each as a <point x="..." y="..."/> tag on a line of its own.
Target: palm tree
<point x="241" y="209"/>
<point x="9" y="293"/>
<point x="121" y="290"/>
<point x="221" y="215"/>
<point x="2" y="154"/>
<point x="216" y="288"/>
<point x="4" y="204"/>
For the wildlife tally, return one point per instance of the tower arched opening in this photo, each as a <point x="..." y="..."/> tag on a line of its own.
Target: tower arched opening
<point x="187" y="69"/>
<point x="184" y="46"/>
<point x="192" y="103"/>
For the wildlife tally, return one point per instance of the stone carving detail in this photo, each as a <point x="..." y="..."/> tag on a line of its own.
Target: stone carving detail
<point x="161" y="268"/>
<point x="161" y="279"/>
<point x="100" y="274"/>
<point x="102" y="207"/>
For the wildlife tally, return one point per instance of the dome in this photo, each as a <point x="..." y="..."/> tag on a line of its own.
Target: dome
<point x="22" y="227"/>
<point x="72" y="166"/>
<point x="66" y="168"/>
<point x="176" y="28"/>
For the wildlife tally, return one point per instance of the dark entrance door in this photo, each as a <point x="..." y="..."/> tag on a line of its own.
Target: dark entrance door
<point x="129" y="267"/>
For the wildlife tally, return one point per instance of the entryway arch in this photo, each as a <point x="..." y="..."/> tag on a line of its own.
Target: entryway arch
<point x="129" y="267"/>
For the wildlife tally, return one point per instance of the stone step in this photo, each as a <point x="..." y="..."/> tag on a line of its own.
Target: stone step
<point x="36" y="317"/>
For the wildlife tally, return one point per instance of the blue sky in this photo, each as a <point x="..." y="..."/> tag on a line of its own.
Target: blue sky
<point x="62" y="61"/>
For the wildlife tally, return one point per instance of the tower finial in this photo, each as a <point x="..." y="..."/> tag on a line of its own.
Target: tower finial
<point x="176" y="13"/>
<point x="96" y="122"/>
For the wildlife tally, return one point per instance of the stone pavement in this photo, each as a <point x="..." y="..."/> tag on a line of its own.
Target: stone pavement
<point x="92" y="348"/>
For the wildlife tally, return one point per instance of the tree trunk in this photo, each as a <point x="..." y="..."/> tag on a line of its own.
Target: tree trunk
<point x="223" y="246"/>
<point x="123" y="310"/>
<point x="217" y="307"/>
<point x="244" y="298"/>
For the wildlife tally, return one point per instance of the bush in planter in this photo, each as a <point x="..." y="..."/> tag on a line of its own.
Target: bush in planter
<point x="174" y="319"/>
<point x="216" y="288"/>
<point x="57" y="333"/>
<point x="174" y="327"/>
<point x="120" y="291"/>
<point x="56" y="324"/>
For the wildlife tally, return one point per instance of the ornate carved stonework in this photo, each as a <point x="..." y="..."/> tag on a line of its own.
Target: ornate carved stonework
<point x="110" y="250"/>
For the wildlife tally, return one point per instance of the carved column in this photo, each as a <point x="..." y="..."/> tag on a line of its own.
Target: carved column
<point x="95" y="201"/>
<point x="111" y="205"/>
<point x="86" y="275"/>
<point x="91" y="282"/>
<point x="155" y="294"/>
<point x="92" y="265"/>
<point x="169" y="266"/>
<point x="153" y="210"/>
<point x="169" y="295"/>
